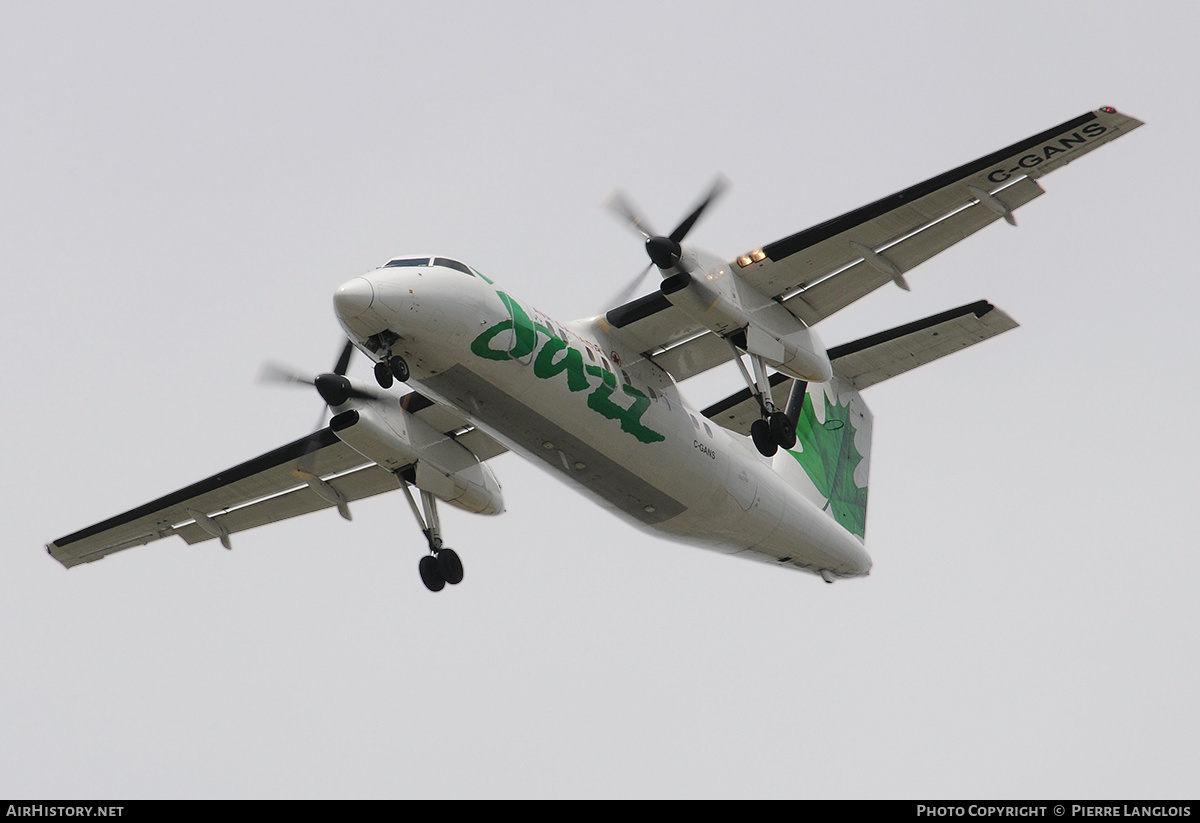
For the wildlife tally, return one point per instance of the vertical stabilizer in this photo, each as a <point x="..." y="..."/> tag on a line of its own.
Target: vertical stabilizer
<point x="830" y="461"/>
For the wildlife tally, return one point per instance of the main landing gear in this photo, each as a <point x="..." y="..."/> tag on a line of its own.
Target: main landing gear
<point x="441" y="565"/>
<point x="775" y="429"/>
<point x="391" y="368"/>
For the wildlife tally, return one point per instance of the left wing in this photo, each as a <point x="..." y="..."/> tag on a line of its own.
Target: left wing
<point x="315" y="472"/>
<point x="822" y="269"/>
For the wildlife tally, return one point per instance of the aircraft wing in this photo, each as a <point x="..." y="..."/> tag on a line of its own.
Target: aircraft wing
<point x="822" y="269"/>
<point x="315" y="472"/>
<point x="825" y="268"/>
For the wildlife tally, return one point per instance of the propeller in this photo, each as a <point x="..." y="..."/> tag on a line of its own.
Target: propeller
<point x="334" y="388"/>
<point x="664" y="252"/>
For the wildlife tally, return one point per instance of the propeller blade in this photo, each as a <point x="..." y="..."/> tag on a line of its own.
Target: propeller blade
<point x="621" y="206"/>
<point x="718" y="188"/>
<point x="270" y="373"/>
<point x="343" y="361"/>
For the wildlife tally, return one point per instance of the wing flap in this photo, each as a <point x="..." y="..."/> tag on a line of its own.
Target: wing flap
<point x="880" y="356"/>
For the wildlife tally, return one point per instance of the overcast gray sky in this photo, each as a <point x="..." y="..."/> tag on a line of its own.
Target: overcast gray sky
<point x="183" y="186"/>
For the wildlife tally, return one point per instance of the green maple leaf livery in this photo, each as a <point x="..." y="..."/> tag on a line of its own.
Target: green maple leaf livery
<point x="829" y="457"/>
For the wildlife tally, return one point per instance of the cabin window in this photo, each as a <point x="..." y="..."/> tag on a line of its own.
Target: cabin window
<point x="707" y="430"/>
<point x="695" y="425"/>
<point x="591" y="354"/>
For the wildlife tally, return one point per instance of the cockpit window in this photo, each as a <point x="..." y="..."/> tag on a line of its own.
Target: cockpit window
<point x="447" y="263"/>
<point x="407" y="261"/>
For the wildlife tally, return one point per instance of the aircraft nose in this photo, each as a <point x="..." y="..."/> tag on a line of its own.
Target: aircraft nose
<point x="353" y="298"/>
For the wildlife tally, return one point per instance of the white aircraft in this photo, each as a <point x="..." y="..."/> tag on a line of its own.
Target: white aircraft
<point x="776" y="472"/>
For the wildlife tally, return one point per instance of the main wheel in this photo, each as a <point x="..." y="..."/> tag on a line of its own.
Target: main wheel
<point x="760" y="433"/>
<point x="399" y="368"/>
<point x="431" y="576"/>
<point x="782" y="431"/>
<point x="383" y="375"/>
<point x="450" y="566"/>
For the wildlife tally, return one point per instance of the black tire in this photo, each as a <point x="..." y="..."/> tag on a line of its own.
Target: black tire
<point x="760" y="433"/>
<point x="431" y="576"/>
<point x="450" y="566"/>
<point x="399" y="369"/>
<point x="383" y="375"/>
<point x="782" y="431"/>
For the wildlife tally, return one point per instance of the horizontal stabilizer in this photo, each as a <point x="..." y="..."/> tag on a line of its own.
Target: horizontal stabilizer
<point x="876" y="358"/>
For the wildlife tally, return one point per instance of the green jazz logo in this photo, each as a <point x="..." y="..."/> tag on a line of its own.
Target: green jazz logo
<point x="556" y="357"/>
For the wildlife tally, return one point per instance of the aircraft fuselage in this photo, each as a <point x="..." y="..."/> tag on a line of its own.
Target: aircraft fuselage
<point x="606" y="420"/>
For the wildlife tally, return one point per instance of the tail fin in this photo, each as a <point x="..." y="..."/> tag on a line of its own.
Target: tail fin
<point x="830" y="462"/>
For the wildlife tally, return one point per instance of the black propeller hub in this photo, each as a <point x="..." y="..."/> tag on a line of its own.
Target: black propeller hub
<point x="333" y="388"/>
<point x="664" y="252"/>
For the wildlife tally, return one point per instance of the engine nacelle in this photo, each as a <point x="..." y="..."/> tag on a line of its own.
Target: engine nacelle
<point x="396" y="440"/>
<point x="768" y="330"/>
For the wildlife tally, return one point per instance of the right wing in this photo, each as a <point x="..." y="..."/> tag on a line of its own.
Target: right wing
<point x="315" y="472"/>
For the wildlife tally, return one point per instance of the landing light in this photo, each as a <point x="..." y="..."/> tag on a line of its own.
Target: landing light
<point x="756" y="256"/>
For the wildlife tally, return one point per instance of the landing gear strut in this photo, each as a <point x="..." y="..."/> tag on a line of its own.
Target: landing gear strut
<point x="391" y="368"/>
<point x="775" y="428"/>
<point x="441" y="565"/>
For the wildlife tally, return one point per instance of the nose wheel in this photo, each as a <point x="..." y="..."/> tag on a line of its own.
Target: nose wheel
<point x="441" y="565"/>
<point x="391" y="369"/>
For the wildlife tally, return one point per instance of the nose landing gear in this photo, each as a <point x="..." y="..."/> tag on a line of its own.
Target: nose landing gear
<point x="441" y="565"/>
<point x="393" y="367"/>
